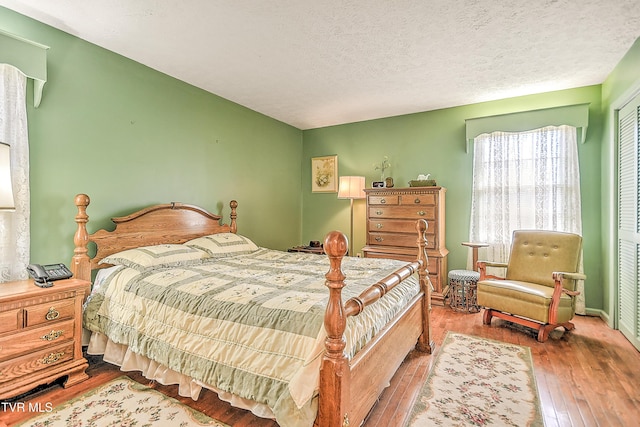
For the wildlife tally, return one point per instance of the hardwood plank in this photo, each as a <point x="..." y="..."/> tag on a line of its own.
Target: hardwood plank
<point x="586" y="377"/>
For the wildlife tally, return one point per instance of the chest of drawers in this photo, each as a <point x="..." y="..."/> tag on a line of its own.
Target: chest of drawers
<point x="391" y="229"/>
<point x="40" y="334"/>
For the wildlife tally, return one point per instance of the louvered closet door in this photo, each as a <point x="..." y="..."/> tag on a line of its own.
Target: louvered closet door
<point x="629" y="221"/>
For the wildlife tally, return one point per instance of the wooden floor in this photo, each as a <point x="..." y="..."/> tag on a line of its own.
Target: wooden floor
<point x="587" y="377"/>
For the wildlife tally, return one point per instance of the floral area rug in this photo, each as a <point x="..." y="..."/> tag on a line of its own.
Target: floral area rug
<point x="479" y="382"/>
<point x="122" y="402"/>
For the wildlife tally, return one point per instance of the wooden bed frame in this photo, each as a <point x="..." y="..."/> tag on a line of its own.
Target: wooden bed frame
<point x="348" y="388"/>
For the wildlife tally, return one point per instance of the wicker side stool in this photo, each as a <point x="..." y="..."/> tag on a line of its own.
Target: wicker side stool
<point x="463" y="286"/>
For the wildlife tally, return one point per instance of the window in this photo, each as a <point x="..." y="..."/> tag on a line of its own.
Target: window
<point x="524" y="180"/>
<point x="14" y="226"/>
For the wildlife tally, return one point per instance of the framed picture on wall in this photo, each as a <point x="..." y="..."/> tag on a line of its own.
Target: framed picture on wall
<point x="324" y="174"/>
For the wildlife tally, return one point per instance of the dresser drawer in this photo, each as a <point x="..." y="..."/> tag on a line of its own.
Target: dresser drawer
<point x="397" y="226"/>
<point x="10" y="320"/>
<point x="418" y="199"/>
<point x="384" y="200"/>
<point x="432" y="262"/>
<point x="35" y="361"/>
<point x="404" y="212"/>
<point x="35" y="339"/>
<point x="49" y="312"/>
<point x="399" y="239"/>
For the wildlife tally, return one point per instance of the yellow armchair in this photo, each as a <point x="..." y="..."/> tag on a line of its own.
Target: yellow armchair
<point x="539" y="287"/>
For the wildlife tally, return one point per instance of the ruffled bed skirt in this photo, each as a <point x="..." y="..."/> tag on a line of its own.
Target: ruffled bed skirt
<point x="127" y="360"/>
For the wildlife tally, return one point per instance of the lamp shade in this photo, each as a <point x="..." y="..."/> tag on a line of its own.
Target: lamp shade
<point x="6" y="191"/>
<point x="351" y="187"/>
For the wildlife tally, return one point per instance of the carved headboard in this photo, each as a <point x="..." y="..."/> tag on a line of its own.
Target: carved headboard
<point x="166" y="223"/>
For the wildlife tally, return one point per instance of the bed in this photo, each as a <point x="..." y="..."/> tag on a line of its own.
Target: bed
<point x="338" y="344"/>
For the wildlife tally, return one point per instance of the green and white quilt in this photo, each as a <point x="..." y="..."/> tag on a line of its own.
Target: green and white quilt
<point x="250" y="324"/>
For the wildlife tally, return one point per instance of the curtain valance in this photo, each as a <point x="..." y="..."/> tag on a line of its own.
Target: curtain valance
<point x="576" y="115"/>
<point x="29" y="57"/>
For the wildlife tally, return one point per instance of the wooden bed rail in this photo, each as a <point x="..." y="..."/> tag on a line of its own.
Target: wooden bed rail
<point x="335" y="375"/>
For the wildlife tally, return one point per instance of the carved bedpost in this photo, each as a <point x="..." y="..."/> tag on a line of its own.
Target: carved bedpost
<point x="81" y="263"/>
<point x="335" y="375"/>
<point x="425" y="343"/>
<point x="234" y="226"/>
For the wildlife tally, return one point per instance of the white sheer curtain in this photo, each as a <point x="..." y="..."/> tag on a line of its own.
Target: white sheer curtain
<point x="14" y="226"/>
<point x="525" y="180"/>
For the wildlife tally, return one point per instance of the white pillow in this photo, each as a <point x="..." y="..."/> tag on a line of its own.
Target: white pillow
<point x="147" y="257"/>
<point x="223" y="244"/>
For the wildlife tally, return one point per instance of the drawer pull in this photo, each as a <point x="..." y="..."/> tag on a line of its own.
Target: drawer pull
<point x="53" y="335"/>
<point x="378" y="212"/>
<point x="378" y="226"/>
<point x="52" y="314"/>
<point x="379" y="239"/>
<point x="417" y="200"/>
<point x="52" y="358"/>
<point x="383" y="201"/>
<point x="421" y="213"/>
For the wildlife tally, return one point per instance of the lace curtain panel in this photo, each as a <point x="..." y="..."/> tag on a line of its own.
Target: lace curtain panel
<point x="14" y="226"/>
<point x="525" y="180"/>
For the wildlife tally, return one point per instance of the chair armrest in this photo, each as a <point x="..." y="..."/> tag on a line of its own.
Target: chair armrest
<point x="482" y="269"/>
<point x="559" y="275"/>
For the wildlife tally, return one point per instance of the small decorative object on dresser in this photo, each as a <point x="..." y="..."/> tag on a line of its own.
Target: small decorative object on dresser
<point x="391" y="218"/>
<point x="40" y="334"/>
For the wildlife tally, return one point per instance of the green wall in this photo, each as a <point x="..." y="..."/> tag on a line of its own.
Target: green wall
<point x="130" y="136"/>
<point x="619" y="87"/>
<point x="434" y="142"/>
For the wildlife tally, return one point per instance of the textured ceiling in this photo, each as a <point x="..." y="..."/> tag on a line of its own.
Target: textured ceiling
<point x="325" y="62"/>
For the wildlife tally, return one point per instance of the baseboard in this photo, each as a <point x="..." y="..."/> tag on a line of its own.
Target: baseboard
<point x="597" y="313"/>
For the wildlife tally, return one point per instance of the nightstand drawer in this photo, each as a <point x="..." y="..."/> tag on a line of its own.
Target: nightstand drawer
<point x="10" y="320"/>
<point x="35" y="339"/>
<point x="36" y="361"/>
<point x="50" y="312"/>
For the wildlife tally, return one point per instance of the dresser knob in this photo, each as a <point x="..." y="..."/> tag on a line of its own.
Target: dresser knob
<point x="378" y="212"/>
<point x="383" y="201"/>
<point x="52" y="358"/>
<point x="421" y="213"/>
<point x="51" y="336"/>
<point x="379" y="239"/>
<point x="378" y="226"/>
<point x="52" y="314"/>
<point x="417" y="200"/>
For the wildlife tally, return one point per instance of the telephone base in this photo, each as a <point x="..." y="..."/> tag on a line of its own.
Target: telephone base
<point x="44" y="284"/>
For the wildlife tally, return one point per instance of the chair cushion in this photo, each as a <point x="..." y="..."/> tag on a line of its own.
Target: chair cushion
<point x="536" y="254"/>
<point x="523" y="299"/>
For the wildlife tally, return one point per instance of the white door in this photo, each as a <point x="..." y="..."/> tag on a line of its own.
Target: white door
<point x="628" y="316"/>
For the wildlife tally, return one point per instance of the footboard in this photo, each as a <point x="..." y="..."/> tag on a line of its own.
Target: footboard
<point x="348" y="389"/>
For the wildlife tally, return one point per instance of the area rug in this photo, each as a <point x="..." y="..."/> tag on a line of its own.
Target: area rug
<point x="478" y="382"/>
<point x="122" y="402"/>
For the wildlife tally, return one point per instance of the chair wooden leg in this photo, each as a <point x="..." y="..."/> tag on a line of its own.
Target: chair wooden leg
<point x="545" y="330"/>
<point x="488" y="314"/>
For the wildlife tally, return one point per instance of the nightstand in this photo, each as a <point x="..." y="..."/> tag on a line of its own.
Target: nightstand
<point x="307" y="249"/>
<point x="40" y="334"/>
